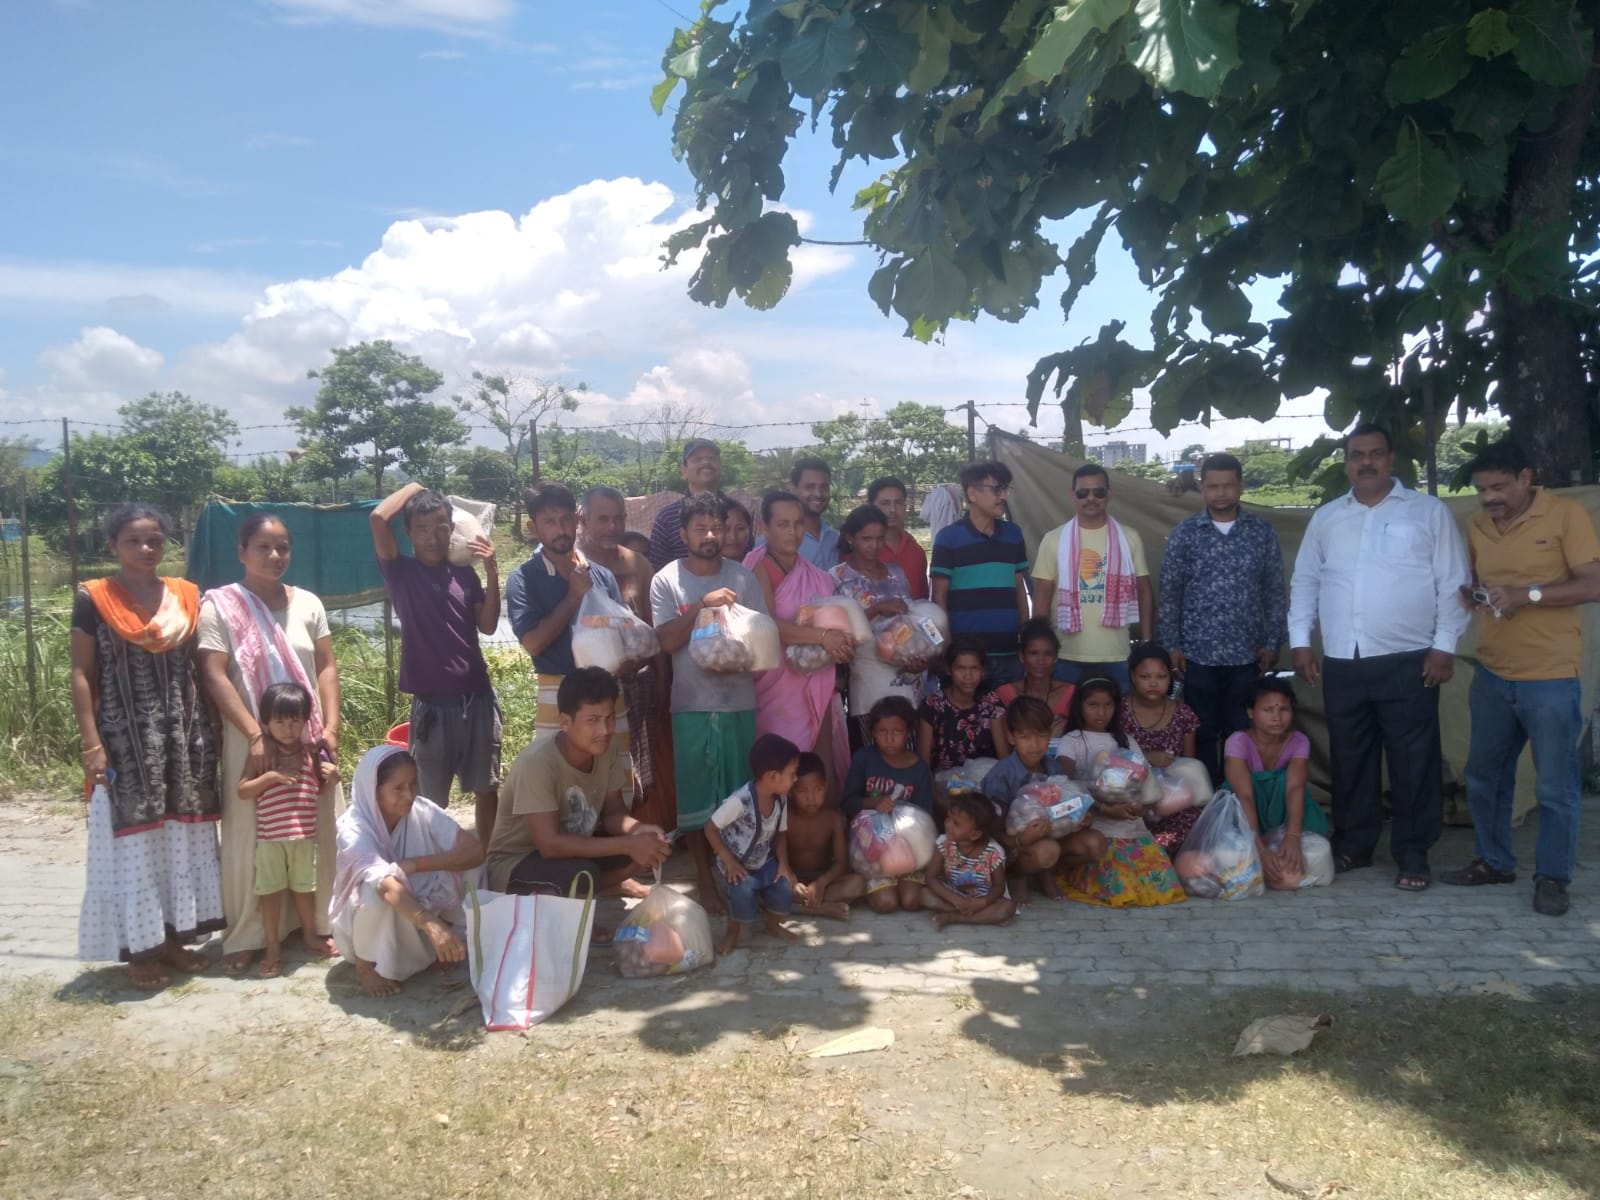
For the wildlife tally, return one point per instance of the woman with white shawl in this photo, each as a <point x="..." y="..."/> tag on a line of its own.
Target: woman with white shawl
<point x="397" y="889"/>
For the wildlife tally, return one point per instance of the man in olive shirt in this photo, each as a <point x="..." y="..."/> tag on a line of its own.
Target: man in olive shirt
<point x="1535" y="559"/>
<point x="561" y="810"/>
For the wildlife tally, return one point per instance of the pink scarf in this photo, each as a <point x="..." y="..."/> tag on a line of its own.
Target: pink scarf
<point x="788" y="703"/>
<point x="1122" y="591"/>
<point x="262" y="650"/>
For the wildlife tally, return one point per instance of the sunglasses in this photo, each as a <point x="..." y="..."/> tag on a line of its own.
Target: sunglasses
<point x="1097" y="493"/>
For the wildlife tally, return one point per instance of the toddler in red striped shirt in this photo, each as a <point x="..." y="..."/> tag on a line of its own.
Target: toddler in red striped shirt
<point x="285" y="794"/>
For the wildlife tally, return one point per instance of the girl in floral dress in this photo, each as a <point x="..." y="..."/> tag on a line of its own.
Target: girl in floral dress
<point x="1164" y="729"/>
<point x="957" y="723"/>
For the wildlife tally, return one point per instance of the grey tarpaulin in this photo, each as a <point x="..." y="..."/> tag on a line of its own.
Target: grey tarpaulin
<point x="1040" y="500"/>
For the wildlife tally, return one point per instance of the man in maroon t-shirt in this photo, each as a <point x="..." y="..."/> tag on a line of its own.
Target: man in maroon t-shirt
<point x="455" y="716"/>
<point x="899" y="547"/>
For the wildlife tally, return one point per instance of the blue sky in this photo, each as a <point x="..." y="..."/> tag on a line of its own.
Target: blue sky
<point x="209" y="195"/>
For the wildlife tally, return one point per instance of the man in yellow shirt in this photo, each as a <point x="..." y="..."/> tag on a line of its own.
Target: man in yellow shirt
<point x="1090" y="581"/>
<point x="1535" y="559"/>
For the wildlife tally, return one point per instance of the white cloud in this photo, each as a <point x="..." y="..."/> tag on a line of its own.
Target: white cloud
<point x="123" y="289"/>
<point x="449" y="16"/>
<point x="572" y="289"/>
<point x="101" y="359"/>
<point x="618" y="83"/>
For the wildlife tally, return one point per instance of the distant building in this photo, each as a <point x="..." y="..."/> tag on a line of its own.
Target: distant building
<point x="1122" y="454"/>
<point x="1265" y="445"/>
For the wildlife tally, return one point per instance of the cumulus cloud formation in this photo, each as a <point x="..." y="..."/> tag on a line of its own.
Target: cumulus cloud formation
<point x="101" y="359"/>
<point x="572" y="288"/>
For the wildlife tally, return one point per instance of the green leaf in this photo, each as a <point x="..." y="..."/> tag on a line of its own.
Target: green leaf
<point x="660" y="93"/>
<point x="931" y="285"/>
<point x="1489" y="34"/>
<point x="1553" y="46"/>
<point x="1418" y="182"/>
<point x="771" y="287"/>
<point x="1080" y="262"/>
<point x="933" y="60"/>
<point x="1430" y="67"/>
<point x="687" y="64"/>
<point x="814" y="59"/>
<point x="1487" y="112"/>
<point x="887" y="54"/>
<point x="1186" y="45"/>
<point x="1482" y="165"/>
<point x="881" y="286"/>
<point x="1223" y="306"/>
<point x="1060" y="39"/>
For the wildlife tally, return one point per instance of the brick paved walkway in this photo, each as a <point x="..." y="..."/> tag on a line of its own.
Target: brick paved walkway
<point x="1359" y="933"/>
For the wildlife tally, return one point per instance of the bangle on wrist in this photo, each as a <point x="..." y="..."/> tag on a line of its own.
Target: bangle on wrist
<point x="90" y="749"/>
<point x="257" y="736"/>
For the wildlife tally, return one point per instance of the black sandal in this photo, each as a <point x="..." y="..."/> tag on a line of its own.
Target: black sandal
<point x="1413" y="881"/>
<point x="1477" y="873"/>
<point x="1348" y="862"/>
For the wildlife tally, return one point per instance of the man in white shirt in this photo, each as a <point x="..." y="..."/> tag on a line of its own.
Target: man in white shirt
<point x="1379" y="571"/>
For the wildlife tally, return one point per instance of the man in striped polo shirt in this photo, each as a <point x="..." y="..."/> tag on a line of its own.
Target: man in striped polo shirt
<point x="980" y="569"/>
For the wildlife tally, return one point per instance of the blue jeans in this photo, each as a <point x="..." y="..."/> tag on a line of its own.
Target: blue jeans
<point x="1506" y="715"/>
<point x="761" y="885"/>
<point x="1073" y="672"/>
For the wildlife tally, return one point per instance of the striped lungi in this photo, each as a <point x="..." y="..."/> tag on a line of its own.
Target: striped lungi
<point x="547" y="719"/>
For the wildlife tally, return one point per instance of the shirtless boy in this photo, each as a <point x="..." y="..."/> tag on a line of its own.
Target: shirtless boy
<point x="827" y="886"/>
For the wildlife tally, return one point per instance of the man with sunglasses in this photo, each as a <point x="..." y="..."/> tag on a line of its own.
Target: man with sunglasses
<point x="1091" y="582"/>
<point x="980" y="568"/>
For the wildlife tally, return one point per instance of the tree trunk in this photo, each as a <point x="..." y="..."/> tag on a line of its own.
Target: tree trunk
<point x="1542" y="388"/>
<point x="1541" y="384"/>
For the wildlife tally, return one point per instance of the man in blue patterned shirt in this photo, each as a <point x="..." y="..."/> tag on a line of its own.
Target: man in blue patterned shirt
<point x="1224" y="605"/>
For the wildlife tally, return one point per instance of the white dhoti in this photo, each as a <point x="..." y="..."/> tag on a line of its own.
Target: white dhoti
<point x="373" y="931"/>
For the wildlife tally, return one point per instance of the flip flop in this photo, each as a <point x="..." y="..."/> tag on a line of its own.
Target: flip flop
<point x="237" y="963"/>
<point x="269" y="969"/>
<point x="147" y="976"/>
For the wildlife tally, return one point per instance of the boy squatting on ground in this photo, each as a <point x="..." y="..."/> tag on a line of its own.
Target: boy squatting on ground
<point x="825" y="887"/>
<point x="285" y="796"/>
<point x="748" y="834"/>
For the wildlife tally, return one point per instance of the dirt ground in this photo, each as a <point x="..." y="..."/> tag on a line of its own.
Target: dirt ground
<point x="1000" y="1088"/>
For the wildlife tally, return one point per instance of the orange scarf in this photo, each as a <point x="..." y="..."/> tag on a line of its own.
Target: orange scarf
<point x="172" y="624"/>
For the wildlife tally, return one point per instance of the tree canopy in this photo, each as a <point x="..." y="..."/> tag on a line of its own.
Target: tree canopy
<point x="370" y="411"/>
<point x="1416" y="179"/>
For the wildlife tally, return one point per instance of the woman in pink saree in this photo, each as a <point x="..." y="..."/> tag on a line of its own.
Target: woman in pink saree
<point x="806" y="709"/>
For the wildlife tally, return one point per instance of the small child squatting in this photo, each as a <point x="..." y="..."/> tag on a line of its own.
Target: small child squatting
<point x="285" y="796"/>
<point x="748" y="835"/>
<point x="825" y="887"/>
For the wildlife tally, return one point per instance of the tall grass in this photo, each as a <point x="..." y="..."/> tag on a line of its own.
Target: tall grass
<point x="39" y="743"/>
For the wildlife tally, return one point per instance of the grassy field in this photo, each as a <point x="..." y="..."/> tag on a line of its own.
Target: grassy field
<point x="1467" y="1097"/>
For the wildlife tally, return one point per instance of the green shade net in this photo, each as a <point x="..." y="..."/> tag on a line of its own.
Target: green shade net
<point x="333" y="555"/>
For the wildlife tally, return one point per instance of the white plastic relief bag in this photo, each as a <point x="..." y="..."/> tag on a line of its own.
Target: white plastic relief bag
<point x="666" y="933"/>
<point x="1314" y="848"/>
<point x="1058" y="799"/>
<point x="732" y="639"/>
<point x="610" y="635"/>
<point x="469" y="520"/>
<point x="1219" y="859"/>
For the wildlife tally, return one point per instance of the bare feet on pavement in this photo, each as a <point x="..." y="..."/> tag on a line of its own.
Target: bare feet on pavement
<point x="779" y="930"/>
<point x="632" y="889"/>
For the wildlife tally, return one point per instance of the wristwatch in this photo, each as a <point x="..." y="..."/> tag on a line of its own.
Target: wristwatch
<point x="1535" y="595"/>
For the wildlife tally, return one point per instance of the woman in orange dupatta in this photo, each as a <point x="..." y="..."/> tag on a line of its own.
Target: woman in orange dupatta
<point x="149" y="761"/>
<point x="806" y="709"/>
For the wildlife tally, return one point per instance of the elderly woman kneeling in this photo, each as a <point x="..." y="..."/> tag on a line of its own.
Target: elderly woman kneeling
<point x="397" y="895"/>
